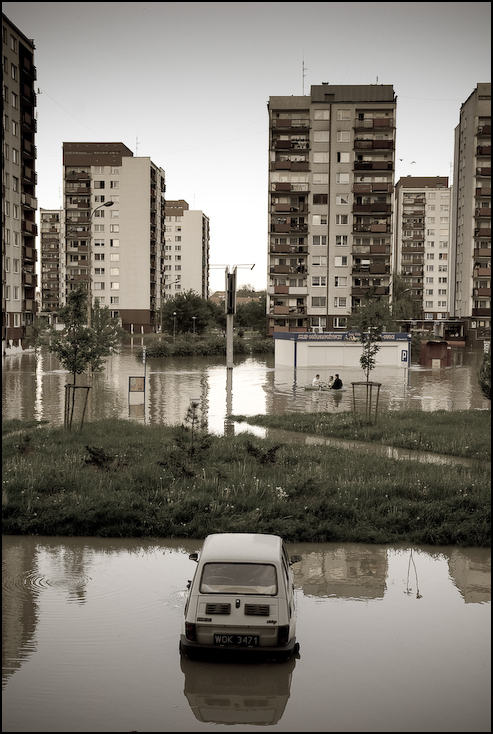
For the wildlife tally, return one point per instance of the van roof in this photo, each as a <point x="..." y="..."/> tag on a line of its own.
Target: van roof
<point x="241" y="547"/>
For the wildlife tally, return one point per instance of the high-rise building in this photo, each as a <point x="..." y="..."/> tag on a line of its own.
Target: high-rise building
<point x="18" y="186"/>
<point x="331" y="175"/>
<point x="52" y="236"/>
<point x="472" y="213"/>
<point x="186" y="250"/>
<point x="114" y="230"/>
<point x="422" y="247"/>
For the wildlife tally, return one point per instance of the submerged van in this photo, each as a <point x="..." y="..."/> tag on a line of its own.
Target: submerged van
<point x="241" y="597"/>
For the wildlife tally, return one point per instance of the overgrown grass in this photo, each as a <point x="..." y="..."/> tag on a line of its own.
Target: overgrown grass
<point x="465" y="433"/>
<point x="146" y="481"/>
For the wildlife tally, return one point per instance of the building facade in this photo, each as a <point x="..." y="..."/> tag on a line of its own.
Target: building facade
<point x="422" y="245"/>
<point x="19" y="203"/>
<point x="114" y="230"/>
<point x="186" y="251"/>
<point x="472" y="213"/>
<point x="52" y="239"/>
<point x="331" y="176"/>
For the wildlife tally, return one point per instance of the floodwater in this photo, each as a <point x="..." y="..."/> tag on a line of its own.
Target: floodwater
<point x="35" y="388"/>
<point x="391" y="639"/>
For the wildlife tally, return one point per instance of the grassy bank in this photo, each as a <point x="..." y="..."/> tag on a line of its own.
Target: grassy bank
<point x="465" y="433"/>
<point x="194" y="345"/>
<point x="122" y="479"/>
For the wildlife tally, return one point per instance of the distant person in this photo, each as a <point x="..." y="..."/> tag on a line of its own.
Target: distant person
<point x="316" y="381"/>
<point x="337" y="384"/>
<point x="331" y="381"/>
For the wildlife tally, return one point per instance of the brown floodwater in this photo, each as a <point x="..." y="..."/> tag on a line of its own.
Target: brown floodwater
<point x="34" y="388"/>
<point x="391" y="639"/>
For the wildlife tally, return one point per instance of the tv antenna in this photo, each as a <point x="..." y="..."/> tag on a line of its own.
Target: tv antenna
<point x="303" y="74"/>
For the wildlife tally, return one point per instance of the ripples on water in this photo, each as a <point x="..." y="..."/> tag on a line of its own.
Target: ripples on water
<point x="388" y="637"/>
<point x="35" y="389"/>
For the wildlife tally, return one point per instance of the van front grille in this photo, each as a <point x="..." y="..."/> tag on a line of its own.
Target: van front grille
<point x="257" y="609"/>
<point x="218" y="609"/>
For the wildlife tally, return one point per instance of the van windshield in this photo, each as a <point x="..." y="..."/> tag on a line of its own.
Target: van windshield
<point x="238" y="578"/>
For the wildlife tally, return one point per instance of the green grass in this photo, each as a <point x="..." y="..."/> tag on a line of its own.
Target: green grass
<point x="465" y="433"/>
<point x="144" y="481"/>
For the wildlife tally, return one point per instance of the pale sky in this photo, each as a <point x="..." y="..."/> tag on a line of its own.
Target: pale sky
<point x="187" y="84"/>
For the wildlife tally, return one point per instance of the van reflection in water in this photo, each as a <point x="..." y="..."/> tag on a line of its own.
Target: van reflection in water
<point x="221" y="693"/>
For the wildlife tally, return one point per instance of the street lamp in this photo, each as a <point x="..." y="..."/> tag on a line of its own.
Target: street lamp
<point x="174" y="326"/>
<point x="163" y="297"/>
<point x="193" y="319"/>
<point x="89" y="258"/>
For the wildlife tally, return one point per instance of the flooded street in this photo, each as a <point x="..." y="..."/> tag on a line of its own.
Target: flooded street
<point x="35" y="388"/>
<point x="391" y="638"/>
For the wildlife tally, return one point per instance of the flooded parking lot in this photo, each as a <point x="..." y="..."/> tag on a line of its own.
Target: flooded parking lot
<point x="392" y="639"/>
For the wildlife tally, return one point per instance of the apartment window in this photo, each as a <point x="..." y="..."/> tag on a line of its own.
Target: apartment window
<point x="320" y="198"/>
<point x="341" y="218"/>
<point x="98" y="271"/>
<point x="98" y="170"/>
<point x="114" y="213"/>
<point x="114" y="286"/>
<point x="114" y="243"/>
<point x="321" y="115"/>
<point x="342" y="178"/>
<point x="15" y="155"/>
<point x="319" y="240"/>
<point x="99" y="228"/>
<point x="341" y="262"/>
<point x="442" y="268"/>
<point x="98" y="184"/>
<point x="115" y="171"/>
<point x="98" y="243"/>
<point x="429" y="279"/>
<point x="442" y="304"/>
<point x="98" y="286"/>
<point x="320" y="157"/>
<point x="340" y="322"/>
<point x="319" y="219"/>
<point x="342" y="199"/>
<point x="318" y="301"/>
<point x="341" y="240"/>
<point x="340" y="302"/>
<point x="318" y="281"/>
<point x="343" y="157"/>
<point x="114" y="228"/>
<point x="114" y="184"/>
<point x="428" y="304"/>
<point x="340" y="281"/>
<point x="98" y="214"/>
<point x="321" y="178"/>
<point x="430" y="255"/>
<point x="99" y="199"/>
<point x="115" y="300"/>
<point x="429" y="292"/>
<point x="321" y="136"/>
<point x="319" y="260"/>
<point x="99" y="256"/>
<point x="13" y="71"/>
<point x="343" y="136"/>
<point x="114" y="256"/>
<point x="343" y="114"/>
<point x="177" y="238"/>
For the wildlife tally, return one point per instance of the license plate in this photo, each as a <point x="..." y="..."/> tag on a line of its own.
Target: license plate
<point x="236" y="640"/>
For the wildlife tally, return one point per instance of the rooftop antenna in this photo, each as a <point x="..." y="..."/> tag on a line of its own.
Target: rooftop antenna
<point x="303" y="74"/>
<point x="136" y="145"/>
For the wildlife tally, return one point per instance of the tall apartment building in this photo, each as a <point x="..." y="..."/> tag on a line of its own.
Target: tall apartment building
<point x="331" y="175"/>
<point x="18" y="186"/>
<point x="422" y="248"/>
<point x="187" y="250"/>
<point x="472" y="212"/>
<point x="52" y="239"/>
<point x="114" y="230"/>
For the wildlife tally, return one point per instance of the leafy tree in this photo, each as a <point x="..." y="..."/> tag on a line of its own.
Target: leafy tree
<point x="37" y="333"/>
<point x="484" y="375"/>
<point x="403" y="305"/>
<point x="370" y="319"/>
<point x="80" y="346"/>
<point x="186" y="305"/>
<point x="252" y="315"/>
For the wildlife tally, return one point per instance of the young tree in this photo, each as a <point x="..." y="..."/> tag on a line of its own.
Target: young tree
<point x="37" y="333"/>
<point x="108" y="336"/>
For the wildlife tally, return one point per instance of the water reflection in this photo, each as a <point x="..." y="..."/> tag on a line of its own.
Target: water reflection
<point x="86" y="615"/>
<point x="35" y="388"/>
<point x="222" y="693"/>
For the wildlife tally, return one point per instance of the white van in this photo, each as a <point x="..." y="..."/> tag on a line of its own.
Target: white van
<point x="241" y="597"/>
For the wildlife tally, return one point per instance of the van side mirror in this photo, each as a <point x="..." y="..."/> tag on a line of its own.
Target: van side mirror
<point x="294" y="559"/>
<point x="194" y="556"/>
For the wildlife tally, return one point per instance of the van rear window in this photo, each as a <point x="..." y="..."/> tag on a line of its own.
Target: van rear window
<point x="238" y="578"/>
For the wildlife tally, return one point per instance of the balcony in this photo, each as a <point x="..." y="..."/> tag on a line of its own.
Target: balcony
<point x="372" y="188"/>
<point x="373" y="165"/>
<point x="483" y="150"/>
<point x="374" y="144"/>
<point x="483" y="171"/>
<point x="483" y="192"/>
<point x="281" y="289"/>
<point x="280" y="310"/>
<point x="296" y="124"/>
<point x="481" y="312"/>
<point x="482" y="252"/>
<point x="481" y="292"/>
<point x="484" y="131"/>
<point x="376" y="123"/>
<point x="372" y="208"/>
<point x="381" y="228"/>
<point x="483" y="212"/>
<point x="30" y="202"/>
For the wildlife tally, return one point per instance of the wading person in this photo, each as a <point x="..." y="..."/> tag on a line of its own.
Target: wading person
<point x="337" y="384"/>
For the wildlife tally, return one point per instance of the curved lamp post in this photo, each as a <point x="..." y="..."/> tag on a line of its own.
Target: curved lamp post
<point x="174" y="326"/>
<point x="89" y="258"/>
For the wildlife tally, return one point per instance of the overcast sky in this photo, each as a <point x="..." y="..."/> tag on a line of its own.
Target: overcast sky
<point x="187" y="84"/>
